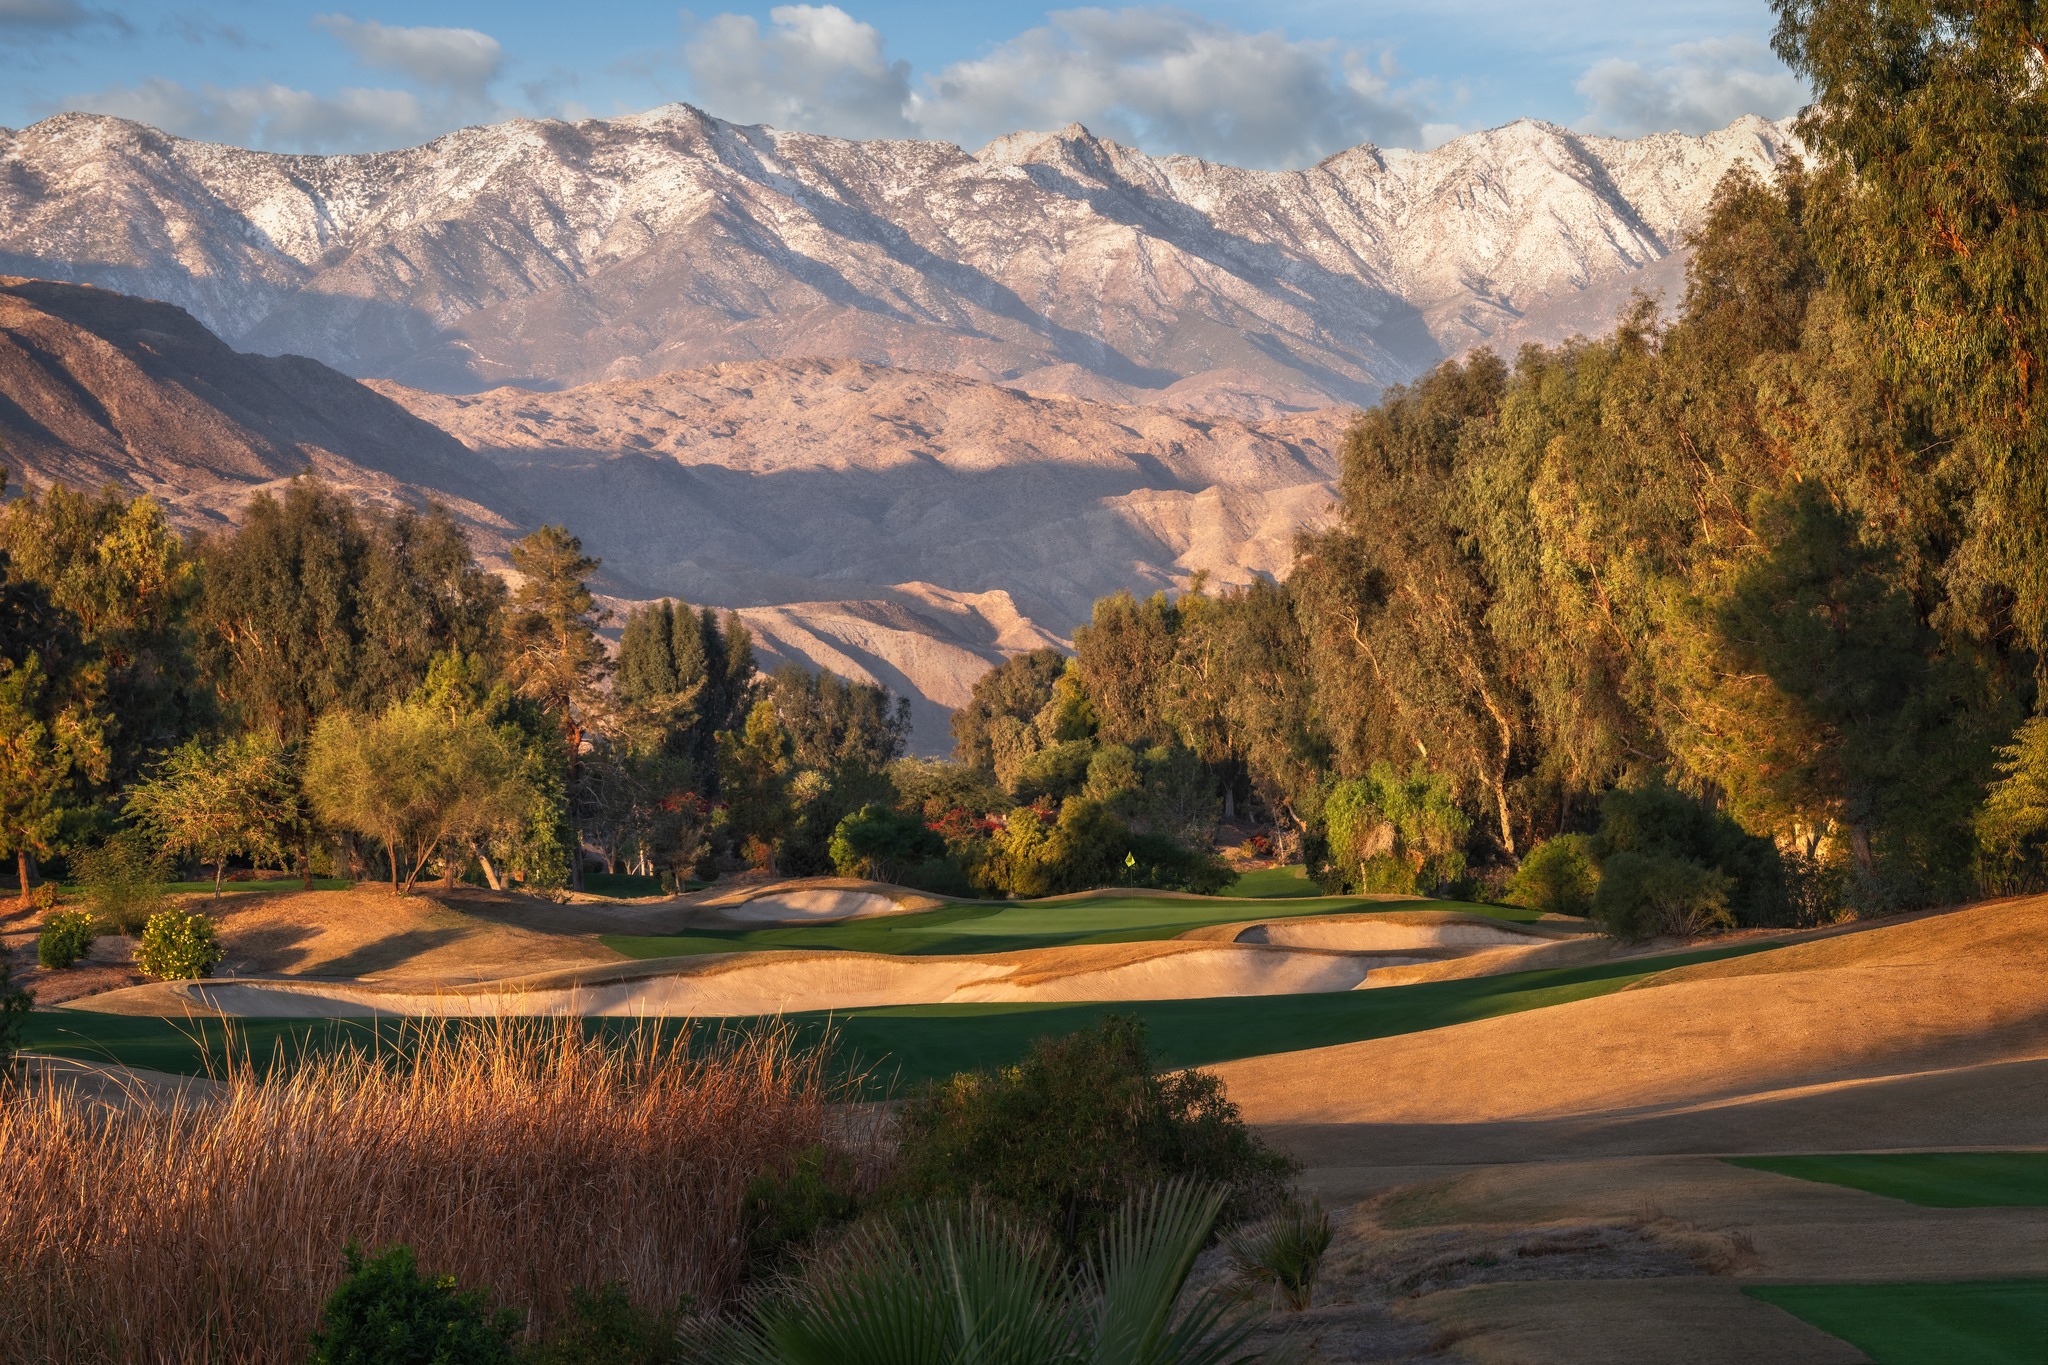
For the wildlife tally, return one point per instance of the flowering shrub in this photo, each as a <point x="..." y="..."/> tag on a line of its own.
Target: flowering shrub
<point x="176" y="946"/>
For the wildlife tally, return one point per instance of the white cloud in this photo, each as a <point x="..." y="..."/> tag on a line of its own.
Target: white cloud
<point x="1161" y="78"/>
<point x="1705" y="85"/>
<point x="459" y="60"/>
<point x="272" y="115"/>
<point x="816" y="67"/>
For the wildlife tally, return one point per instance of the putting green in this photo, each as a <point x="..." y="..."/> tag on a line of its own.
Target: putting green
<point x="909" y="1043"/>
<point x="1936" y="1180"/>
<point x="1272" y="883"/>
<point x="1989" y="1322"/>
<point x="1007" y="926"/>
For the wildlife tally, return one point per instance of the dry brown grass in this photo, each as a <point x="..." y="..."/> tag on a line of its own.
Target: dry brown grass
<point x="527" y="1157"/>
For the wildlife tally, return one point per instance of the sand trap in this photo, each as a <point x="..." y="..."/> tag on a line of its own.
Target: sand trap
<point x="780" y="982"/>
<point x="809" y="907"/>
<point x="1387" y="933"/>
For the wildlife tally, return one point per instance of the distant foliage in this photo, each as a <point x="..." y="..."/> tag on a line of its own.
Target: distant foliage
<point x="14" y="1003"/>
<point x="385" y="1312"/>
<point x="1393" y="832"/>
<point x="66" y="938"/>
<point x="1081" y="1124"/>
<point x="2012" y="827"/>
<point x="177" y="946"/>
<point x="1645" y="894"/>
<point x="882" y="844"/>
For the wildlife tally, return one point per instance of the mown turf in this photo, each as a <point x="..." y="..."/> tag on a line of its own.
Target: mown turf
<point x="1007" y="926"/>
<point x="1935" y="1180"/>
<point x="1272" y="883"/>
<point x="1989" y="1322"/>
<point x="909" y="1043"/>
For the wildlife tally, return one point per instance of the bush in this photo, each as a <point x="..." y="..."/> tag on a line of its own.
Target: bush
<point x="1283" y="1251"/>
<point x="14" y="1002"/>
<point x="176" y="946"/>
<point x="67" y="936"/>
<point x="1558" y="877"/>
<point x="607" y="1328"/>
<point x="1387" y="832"/>
<point x="882" y="844"/>
<point x="386" y="1313"/>
<point x="1643" y="894"/>
<point x="1661" y="822"/>
<point x="1158" y="862"/>
<point x="787" y="1209"/>
<point x="1075" y="1129"/>
<point x="123" y="884"/>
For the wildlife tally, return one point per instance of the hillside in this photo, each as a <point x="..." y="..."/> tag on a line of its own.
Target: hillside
<point x="546" y="254"/>
<point x="905" y="528"/>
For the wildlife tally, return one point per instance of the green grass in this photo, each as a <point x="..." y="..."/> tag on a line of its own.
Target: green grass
<point x="1935" y="1180"/>
<point x="1991" y="1322"/>
<point x="1005" y="926"/>
<point x="910" y="1043"/>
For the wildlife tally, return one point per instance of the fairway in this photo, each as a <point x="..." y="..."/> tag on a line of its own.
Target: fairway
<point x="1936" y="1180"/>
<point x="1994" y="1322"/>
<point x="910" y="1043"/>
<point x="1009" y="926"/>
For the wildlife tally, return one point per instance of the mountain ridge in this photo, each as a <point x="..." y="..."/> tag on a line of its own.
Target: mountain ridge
<point x="551" y="254"/>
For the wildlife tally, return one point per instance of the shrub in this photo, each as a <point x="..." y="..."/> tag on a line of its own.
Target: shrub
<point x="882" y="844"/>
<point x="1283" y="1251"/>
<point x="123" y="884"/>
<point x="608" y="1328"/>
<point x="787" y="1209"/>
<point x="1644" y="894"/>
<point x="177" y="946"/>
<point x="1659" y="821"/>
<point x="1158" y="862"/>
<point x="1558" y="877"/>
<point x="386" y="1313"/>
<point x="1389" y="832"/>
<point x="67" y="936"/>
<point x="14" y="1002"/>
<point x="1076" y="1128"/>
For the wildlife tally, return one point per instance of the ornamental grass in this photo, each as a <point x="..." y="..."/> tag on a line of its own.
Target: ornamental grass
<point x="530" y="1157"/>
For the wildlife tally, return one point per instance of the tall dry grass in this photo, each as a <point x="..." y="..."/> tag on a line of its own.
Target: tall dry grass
<point x="525" y="1156"/>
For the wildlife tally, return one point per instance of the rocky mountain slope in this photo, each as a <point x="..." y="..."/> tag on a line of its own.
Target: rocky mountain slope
<point x="549" y="254"/>
<point x="908" y="528"/>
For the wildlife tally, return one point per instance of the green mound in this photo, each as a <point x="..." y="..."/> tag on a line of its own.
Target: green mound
<point x="909" y="1043"/>
<point x="1935" y="1180"/>
<point x="1991" y="1322"/>
<point x="1007" y="926"/>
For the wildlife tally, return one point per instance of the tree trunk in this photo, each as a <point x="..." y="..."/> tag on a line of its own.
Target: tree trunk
<point x="491" y="876"/>
<point x="21" y="864"/>
<point x="391" y="852"/>
<point x="220" y="870"/>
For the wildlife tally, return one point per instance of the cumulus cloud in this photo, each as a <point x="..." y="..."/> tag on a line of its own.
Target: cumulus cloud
<point x="1704" y="85"/>
<point x="460" y="60"/>
<point x="1162" y="78"/>
<point x="815" y="67"/>
<point x="271" y="115"/>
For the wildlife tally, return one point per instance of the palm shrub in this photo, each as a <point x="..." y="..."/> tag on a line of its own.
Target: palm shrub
<point x="1283" y="1251"/>
<point x="177" y="946"/>
<point x="1645" y="894"/>
<point x="950" y="1283"/>
<point x="1067" y="1135"/>
<point x="66" y="937"/>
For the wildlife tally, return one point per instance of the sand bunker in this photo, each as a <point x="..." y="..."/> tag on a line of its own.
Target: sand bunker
<point x="1389" y="933"/>
<point x="810" y="907"/>
<point x="780" y="982"/>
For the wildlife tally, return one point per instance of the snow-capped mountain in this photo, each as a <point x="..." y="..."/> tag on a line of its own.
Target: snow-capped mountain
<point x="546" y="254"/>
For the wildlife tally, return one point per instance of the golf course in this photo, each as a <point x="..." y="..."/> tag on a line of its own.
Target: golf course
<point x="1539" y="1143"/>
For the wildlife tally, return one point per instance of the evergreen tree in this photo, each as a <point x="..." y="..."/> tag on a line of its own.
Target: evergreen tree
<point x="557" y="660"/>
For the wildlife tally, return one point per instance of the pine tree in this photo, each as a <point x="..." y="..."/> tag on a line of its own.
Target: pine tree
<point x="557" y="659"/>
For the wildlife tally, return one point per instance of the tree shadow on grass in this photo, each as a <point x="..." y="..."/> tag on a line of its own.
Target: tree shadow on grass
<point x="393" y="950"/>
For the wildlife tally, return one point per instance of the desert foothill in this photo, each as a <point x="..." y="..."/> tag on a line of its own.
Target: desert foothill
<point x="889" y="684"/>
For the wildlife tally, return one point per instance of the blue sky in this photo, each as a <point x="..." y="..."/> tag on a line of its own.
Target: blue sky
<point x="1280" y="83"/>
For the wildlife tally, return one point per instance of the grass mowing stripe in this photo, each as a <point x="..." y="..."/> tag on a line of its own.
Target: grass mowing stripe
<point x="911" y="1043"/>
<point x="1985" y="1322"/>
<point x="1007" y="926"/>
<point x="1935" y="1180"/>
